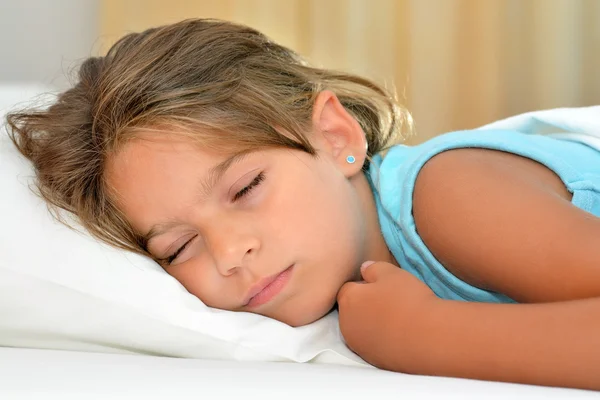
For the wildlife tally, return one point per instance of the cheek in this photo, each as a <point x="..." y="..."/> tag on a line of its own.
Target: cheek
<point x="321" y="220"/>
<point x="202" y="282"/>
<point x="326" y="215"/>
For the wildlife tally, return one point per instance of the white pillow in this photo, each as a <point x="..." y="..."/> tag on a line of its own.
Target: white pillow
<point x="62" y="289"/>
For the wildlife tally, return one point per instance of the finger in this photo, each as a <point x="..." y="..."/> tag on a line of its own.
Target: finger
<point x="373" y="271"/>
<point x="346" y="290"/>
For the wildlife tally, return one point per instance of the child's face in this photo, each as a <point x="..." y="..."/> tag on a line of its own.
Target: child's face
<point x="274" y="213"/>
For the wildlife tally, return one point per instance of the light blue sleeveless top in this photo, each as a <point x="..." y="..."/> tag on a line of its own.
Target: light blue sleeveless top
<point x="393" y="180"/>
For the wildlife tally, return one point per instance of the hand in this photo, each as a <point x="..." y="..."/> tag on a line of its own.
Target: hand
<point x="379" y="316"/>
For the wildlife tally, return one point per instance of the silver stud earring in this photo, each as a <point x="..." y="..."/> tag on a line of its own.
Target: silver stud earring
<point x="350" y="159"/>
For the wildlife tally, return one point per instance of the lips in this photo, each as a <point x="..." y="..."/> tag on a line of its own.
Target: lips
<point x="266" y="289"/>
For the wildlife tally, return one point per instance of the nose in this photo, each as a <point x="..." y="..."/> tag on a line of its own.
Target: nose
<point x="232" y="247"/>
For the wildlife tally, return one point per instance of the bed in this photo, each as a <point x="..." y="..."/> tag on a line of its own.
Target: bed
<point x="49" y="374"/>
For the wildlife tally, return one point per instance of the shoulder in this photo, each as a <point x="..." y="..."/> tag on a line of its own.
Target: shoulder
<point x="498" y="221"/>
<point x="461" y="191"/>
<point x="481" y="175"/>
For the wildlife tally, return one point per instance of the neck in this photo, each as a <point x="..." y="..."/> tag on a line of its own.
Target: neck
<point x="375" y="246"/>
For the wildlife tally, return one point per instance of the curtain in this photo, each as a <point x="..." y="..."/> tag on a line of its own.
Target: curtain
<point x="455" y="64"/>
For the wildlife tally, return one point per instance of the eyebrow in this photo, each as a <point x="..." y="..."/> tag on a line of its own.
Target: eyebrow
<point x="213" y="176"/>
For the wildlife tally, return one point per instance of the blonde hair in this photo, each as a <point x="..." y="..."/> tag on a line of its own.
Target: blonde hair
<point x="227" y="81"/>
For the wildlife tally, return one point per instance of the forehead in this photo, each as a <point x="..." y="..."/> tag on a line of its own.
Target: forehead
<point x="151" y="175"/>
<point x="155" y="153"/>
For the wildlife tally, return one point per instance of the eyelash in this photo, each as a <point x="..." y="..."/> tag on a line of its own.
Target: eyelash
<point x="169" y="260"/>
<point x="244" y="192"/>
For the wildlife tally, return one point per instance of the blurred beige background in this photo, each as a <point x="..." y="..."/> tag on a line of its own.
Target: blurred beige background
<point x="456" y="64"/>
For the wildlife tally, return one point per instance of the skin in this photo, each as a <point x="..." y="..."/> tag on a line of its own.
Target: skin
<point x="293" y="217"/>
<point x="495" y="220"/>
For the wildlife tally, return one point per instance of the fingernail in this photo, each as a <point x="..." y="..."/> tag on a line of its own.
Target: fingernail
<point x="366" y="264"/>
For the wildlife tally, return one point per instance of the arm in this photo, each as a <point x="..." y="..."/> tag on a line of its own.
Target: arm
<point x="395" y="322"/>
<point x="506" y="224"/>
<point x="553" y="344"/>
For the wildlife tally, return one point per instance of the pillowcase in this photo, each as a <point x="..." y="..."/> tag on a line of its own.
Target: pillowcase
<point x="62" y="289"/>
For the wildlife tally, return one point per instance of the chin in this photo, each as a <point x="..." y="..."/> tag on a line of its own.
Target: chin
<point x="307" y="315"/>
<point x="297" y="322"/>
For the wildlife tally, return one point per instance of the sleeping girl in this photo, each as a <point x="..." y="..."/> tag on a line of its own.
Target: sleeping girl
<point x="266" y="185"/>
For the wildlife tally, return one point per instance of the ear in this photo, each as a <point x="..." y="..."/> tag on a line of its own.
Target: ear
<point x="337" y="134"/>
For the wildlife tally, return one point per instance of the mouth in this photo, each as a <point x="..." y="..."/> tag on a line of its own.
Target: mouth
<point x="266" y="289"/>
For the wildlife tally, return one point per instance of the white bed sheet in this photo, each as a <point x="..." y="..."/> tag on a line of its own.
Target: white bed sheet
<point x="50" y="374"/>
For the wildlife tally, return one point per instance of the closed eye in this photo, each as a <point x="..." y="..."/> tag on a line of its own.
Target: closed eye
<point x="169" y="260"/>
<point x="246" y="190"/>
